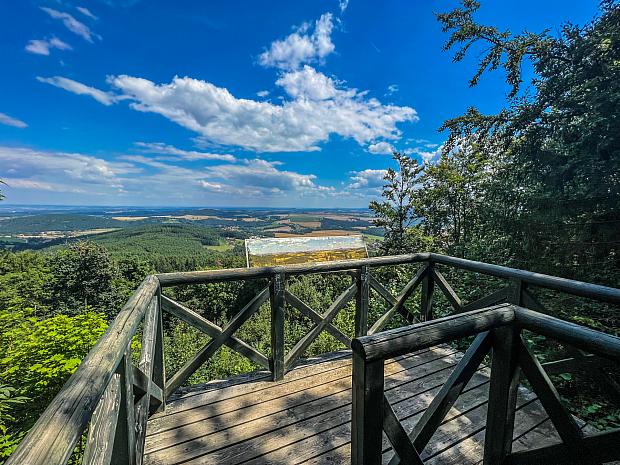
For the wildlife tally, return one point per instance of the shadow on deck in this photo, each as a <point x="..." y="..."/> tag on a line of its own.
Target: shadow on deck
<point x="306" y="418"/>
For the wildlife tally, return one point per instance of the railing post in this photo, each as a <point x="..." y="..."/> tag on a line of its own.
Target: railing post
<point x="361" y="302"/>
<point x="515" y="294"/>
<point x="159" y="367"/>
<point x="428" y="287"/>
<point x="502" y="395"/>
<point x="125" y="439"/>
<point x="367" y="413"/>
<point x="276" y="295"/>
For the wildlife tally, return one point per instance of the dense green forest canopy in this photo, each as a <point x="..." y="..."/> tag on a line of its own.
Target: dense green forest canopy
<point x="535" y="186"/>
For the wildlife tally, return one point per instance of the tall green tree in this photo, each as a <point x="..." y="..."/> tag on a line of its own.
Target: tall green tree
<point x="556" y="143"/>
<point x="398" y="211"/>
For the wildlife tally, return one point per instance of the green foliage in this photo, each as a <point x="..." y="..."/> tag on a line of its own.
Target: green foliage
<point x="9" y="401"/>
<point x="83" y="277"/>
<point x="38" y="356"/>
<point x="399" y="210"/>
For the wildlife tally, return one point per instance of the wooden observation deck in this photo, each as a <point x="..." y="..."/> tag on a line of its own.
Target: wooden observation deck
<point x="404" y="395"/>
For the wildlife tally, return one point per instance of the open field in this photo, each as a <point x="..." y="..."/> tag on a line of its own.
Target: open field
<point x="320" y="233"/>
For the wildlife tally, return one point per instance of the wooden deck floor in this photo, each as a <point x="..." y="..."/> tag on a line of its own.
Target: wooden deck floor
<point x="306" y="417"/>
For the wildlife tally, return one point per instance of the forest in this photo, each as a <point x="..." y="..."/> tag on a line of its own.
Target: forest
<point x="535" y="186"/>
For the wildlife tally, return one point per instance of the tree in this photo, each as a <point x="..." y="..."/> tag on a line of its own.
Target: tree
<point x="84" y="276"/>
<point x="398" y="211"/>
<point x="555" y="145"/>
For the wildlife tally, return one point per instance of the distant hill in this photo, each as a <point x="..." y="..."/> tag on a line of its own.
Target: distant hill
<point x="57" y="222"/>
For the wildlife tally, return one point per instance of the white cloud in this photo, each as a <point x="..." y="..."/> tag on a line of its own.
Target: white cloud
<point x="383" y="148"/>
<point x="165" y="149"/>
<point x="71" y="23"/>
<point x="295" y="125"/>
<point x="259" y="177"/>
<point x="42" y="47"/>
<point x="86" y="12"/>
<point x="426" y="155"/>
<point x="343" y="4"/>
<point x="75" y="87"/>
<point x="367" y="179"/>
<point x="392" y="88"/>
<point x="10" y="121"/>
<point x="302" y="46"/>
<point x="262" y="93"/>
<point x="66" y="172"/>
<point x="308" y="83"/>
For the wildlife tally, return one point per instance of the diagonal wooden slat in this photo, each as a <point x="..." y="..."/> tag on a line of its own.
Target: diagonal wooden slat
<point x="300" y="305"/>
<point x="530" y="301"/>
<point x="400" y="301"/>
<point x="542" y="386"/>
<point x="214" y="344"/>
<point x="494" y="298"/>
<point x="381" y="290"/>
<point x="450" y="391"/>
<point x="199" y="322"/>
<point x="406" y="452"/>
<point x="447" y="290"/>
<point x="299" y="348"/>
<point x="100" y="441"/>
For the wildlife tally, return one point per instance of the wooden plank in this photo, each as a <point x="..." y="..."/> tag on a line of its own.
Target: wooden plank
<point x="100" y="441"/>
<point x="447" y="290"/>
<point x="450" y="391"/>
<point x="502" y="395"/>
<point x="277" y="287"/>
<point x="125" y="437"/>
<point x="300" y="305"/>
<point x="52" y="439"/>
<point x="591" y="450"/>
<point x="361" y="302"/>
<point x="215" y="343"/>
<point x="400" y="341"/>
<point x="405" y="450"/>
<point x="543" y="387"/>
<point x="400" y="301"/>
<point x="494" y="298"/>
<point x="301" y="346"/>
<point x="284" y="406"/>
<point x="211" y="329"/>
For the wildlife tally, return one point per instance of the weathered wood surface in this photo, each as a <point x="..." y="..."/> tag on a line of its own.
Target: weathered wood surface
<point x="51" y="440"/>
<point x="306" y="418"/>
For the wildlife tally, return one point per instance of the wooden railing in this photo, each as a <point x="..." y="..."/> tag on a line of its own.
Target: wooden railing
<point x="498" y="330"/>
<point x="109" y="398"/>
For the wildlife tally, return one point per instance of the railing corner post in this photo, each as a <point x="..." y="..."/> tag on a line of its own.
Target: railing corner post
<point x="502" y="395"/>
<point x="367" y="411"/>
<point x="361" y="302"/>
<point x="276" y="295"/>
<point x="428" y="287"/>
<point x="515" y="291"/>
<point x="159" y="366"/>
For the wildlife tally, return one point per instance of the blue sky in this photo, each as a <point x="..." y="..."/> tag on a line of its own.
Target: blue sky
<point x="274" y="104"/>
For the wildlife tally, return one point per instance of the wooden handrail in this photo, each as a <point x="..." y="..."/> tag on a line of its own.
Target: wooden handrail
<point x="498" y="333"/>
<point x="107" y="384"/>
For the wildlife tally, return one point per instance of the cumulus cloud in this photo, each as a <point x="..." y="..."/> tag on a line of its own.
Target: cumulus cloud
<point x="383" y="148"/>
<point x="392" y="88"/>
<point x="66" y="172"/>
<point x="426" y="155"/>
<point x="259" y="177"/>
<point x="71" y="23"/>
<point x="43" y="46"/>
<point x="343" y="4"/>
<point x="317" y="110"/>
<point x="10" y="121"/>
<point x="86" y="12"/>
<point x="78" y="88"/>
<point x="262" y="93"/>
<point x="191" y="155"/>
<point x="367" y="179"/>
<point x="307" y="44"/>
